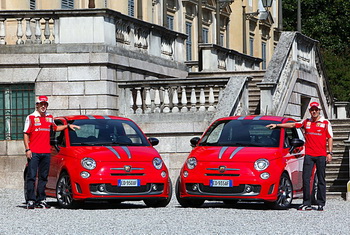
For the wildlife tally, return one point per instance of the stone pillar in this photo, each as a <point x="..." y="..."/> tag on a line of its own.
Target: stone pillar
<point x="266" y="98"/>
<point x="341" y="109"/>
<point x="347" y="144"/>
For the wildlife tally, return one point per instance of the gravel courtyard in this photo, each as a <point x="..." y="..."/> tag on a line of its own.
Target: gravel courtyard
<point x="136" y="218"/>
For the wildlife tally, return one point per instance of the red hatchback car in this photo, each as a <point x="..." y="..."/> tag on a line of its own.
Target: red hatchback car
<point x="238" y="158"/>
<point x="109" y="158"/>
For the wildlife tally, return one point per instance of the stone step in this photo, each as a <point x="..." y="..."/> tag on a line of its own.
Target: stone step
<point x="336" y="195"/>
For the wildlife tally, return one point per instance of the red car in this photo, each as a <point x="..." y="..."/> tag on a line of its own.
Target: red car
<point x="238" y="158"/>
<point x="109" y="158"/>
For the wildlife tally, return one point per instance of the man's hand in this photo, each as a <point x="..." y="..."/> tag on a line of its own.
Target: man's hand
<point x="29" y="154"/>
<point x="329" y="158"/>
<point x="73" y="127"/>
<point x="271" y="126"/>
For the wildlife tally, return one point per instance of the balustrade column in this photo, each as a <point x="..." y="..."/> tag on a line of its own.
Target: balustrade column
<point x="47" y="31"/>
<point x="148" y="101"/>
<point x="184" y="100"/>
<point x="193" y="100"/>
<point x="166" y="102"/>
<point x="19" y="31"/>
<point x="37" y="31"/>
<point x="138" y="100"/>
<point x="175" y="101"/>
<point x="202" y="100"/>
<point x="2" y="31"/>
<point x="131" y="101"/>
<point x="157" y="101"/>
<point x="28" y="32"/>
<point x="211" y="107"/>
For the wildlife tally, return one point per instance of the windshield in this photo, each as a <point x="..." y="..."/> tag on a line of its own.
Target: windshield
<point x="106" y="132"/>
<point x="247" y="133"/>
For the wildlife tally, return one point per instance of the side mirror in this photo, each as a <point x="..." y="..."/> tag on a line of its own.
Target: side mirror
<point x="153" y="141"/>
<point x="194" y="141"/>
<point x="295" y="142"/>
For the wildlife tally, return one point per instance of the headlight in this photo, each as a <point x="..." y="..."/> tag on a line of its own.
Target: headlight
<point x="261" y="164"/>
<point x="191" y="162"/>
<point x="157" y="163"/>
<point x="88" y="163"/>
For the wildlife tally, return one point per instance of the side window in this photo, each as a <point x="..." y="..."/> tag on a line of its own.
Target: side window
<point x="59" y="135"/>
<point x="291" y="133"/>
<point x="130" y="135"/>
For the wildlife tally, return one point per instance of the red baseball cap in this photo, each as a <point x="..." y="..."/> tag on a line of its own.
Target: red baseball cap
<point x="42" y="98"/>
<point x="315" y="105"/>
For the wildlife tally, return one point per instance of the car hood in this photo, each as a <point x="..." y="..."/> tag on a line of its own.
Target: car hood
<point x="117" y="153"/>
<point x="241" y="154"/>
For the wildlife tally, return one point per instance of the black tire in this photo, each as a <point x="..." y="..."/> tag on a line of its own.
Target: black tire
<point x="284" y="194"/>
<point x="160" y="202"/>
<point x="64" y="193"/>
<point x="184" y="202"/>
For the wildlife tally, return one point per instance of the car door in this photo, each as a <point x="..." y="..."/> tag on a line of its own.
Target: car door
<point x="295" y="159"/>
<point x="58" y="140"/>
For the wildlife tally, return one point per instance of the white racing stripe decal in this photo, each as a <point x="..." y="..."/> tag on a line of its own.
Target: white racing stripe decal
<point x="236" y="151"/>
<point x="90" y="117"/>
<point x="222" y="151"/>
<point x="114" y="151"/>
<point x="106" y="117"/>
<point x="127" y="151"/>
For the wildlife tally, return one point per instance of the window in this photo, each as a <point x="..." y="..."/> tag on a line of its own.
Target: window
<point x="222" y="39"/>
<point x="263" y="54"/>
<point x="67" y="4"/>
<point x="32" y="4"/>
<point x="205" y="35"/>
<point x="170" y="22"/>
<point x="16" y="102"/>
<point x="251" y="46"/>
<point x="131" y="8"/>
<point x="189" y="41"/>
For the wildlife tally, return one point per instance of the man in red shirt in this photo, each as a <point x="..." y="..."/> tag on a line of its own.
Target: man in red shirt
<point x="37" y="144"/>
<point x="318" y="135"/>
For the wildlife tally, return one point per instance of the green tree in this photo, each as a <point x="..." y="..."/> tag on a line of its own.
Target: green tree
<point x="328" y="22"/>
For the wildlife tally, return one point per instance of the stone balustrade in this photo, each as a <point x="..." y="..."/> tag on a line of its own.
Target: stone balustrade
<point x="98" y="26"/>
<point x="172" y="96"/>
<point x="217" y="58"/>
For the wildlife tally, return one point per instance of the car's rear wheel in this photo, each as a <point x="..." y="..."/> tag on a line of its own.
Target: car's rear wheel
<point x="284" y="194"/>
<point x="64" y="193"/>
<point x="161" y="202"/>
<point x="185" y="202"/>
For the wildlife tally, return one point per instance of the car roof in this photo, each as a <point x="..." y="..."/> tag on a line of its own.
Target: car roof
<point x="259" y="117"/>
<point x="81" y="117"/>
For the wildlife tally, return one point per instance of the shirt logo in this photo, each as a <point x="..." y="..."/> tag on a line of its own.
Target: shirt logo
<point x="36" y="120"/>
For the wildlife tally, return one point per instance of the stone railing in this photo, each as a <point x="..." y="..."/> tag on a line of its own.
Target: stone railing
<point x="217" y="58"/>
<point x="295" y="70"/>
<point x="171" y="96"/>
<point x="98" y="26"/>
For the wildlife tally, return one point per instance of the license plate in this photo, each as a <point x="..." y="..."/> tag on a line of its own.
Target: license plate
<point x="128" y="183"/>
<point x="220" y="183"/>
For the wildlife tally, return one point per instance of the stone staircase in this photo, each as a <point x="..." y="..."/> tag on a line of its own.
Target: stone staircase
<point x="254" y="92"/>
<point x="337" y="172"/>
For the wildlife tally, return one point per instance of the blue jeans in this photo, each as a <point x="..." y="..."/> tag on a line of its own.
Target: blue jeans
<point x="309" y="162"/>
<point x="38" y="165"/>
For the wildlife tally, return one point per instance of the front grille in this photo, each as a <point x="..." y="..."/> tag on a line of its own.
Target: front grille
<point x="127" y="174"/>
<point x="235" y="175"/>
<point x="113" y="189"/>
<point x="235" y="190"/>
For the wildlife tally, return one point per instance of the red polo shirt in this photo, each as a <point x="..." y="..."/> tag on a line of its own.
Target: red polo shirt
<point x="38" y="128"/>
<point x="316" y="135"/>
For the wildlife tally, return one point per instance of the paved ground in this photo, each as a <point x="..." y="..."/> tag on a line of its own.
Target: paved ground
<point x="136" y="218"/>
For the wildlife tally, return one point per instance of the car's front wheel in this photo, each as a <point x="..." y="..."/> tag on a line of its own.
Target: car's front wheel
<point x="64" y="193"/>
<point x="161" y="202"/>
<point x="186" y="202"/>
<point x="284" y="194"/>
